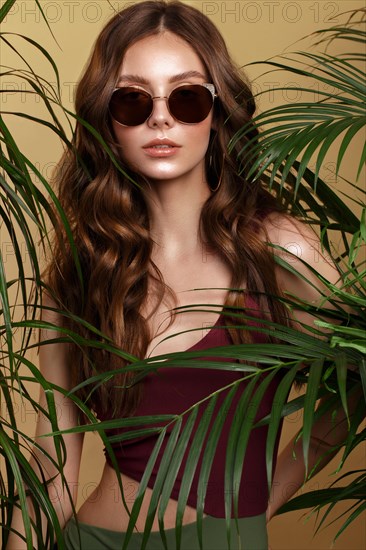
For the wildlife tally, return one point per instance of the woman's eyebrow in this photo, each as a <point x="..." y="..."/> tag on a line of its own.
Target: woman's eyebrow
<point x="174" y="78"/>
<point x="185" y="75"/>
<point x="132" y="78"/>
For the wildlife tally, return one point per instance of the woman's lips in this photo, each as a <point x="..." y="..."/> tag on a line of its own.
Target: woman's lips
<point x="161" y="148"/>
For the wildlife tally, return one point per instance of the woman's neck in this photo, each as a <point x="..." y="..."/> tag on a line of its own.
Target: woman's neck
<point x="174" y="212"/>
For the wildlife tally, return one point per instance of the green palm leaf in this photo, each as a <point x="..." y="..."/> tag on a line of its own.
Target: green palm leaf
<point x="160" y="479"/>
<point x="355" y="490"/>
<point x="288" y="130"/>
<point x="141" y="490"/>
<point x="194" y="455"/>
<point x="5" y="8"/>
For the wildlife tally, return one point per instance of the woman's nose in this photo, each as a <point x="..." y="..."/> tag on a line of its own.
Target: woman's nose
<point x="160" y="115"/>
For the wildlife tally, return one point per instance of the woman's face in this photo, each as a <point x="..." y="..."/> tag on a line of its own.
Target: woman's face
<point x="158" y="64"/>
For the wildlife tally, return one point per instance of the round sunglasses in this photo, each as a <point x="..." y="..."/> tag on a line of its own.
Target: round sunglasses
<point x="188" y="103"/>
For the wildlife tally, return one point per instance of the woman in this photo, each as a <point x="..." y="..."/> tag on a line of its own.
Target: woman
<point x="172" y="214"/>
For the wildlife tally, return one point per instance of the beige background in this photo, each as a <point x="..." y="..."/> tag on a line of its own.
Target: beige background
<point x="253" y="30"/>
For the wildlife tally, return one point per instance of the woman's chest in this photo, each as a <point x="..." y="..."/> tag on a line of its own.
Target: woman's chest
<point x="201" y="286"/>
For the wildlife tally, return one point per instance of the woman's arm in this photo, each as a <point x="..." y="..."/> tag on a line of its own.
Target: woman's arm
<point x="327" y="432"/>
<point x="326" y="435"/>
<point x="54" y="368"/>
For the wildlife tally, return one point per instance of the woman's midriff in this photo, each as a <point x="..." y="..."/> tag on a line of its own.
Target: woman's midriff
<point x="104" y="507"/>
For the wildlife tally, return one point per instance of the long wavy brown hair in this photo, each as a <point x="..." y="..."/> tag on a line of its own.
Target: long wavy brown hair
<point x="109" y="218"/>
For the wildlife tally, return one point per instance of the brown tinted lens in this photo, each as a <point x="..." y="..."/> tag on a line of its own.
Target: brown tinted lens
<point x="190" y="103"/>
<point x="130" y="106"/>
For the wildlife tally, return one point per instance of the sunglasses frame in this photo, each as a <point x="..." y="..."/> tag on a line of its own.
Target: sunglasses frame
<point x="208" y="85"/>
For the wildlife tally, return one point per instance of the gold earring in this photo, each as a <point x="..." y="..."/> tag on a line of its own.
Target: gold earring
<point x="221" y="173"/>
<point x="216" y="188"/>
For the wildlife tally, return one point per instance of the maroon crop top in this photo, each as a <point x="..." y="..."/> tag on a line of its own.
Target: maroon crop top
<point x="172" y="390"/>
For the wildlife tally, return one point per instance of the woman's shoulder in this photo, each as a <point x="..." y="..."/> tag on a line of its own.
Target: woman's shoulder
<point x="295" y="241"/>
<point x="286" y="231"/>
<point x="302" y="262"/>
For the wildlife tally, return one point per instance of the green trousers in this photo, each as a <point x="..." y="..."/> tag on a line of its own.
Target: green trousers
<point x="252" y="536"/>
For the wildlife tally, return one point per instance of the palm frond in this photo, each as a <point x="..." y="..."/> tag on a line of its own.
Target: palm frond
<point x="290" y="130"/>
